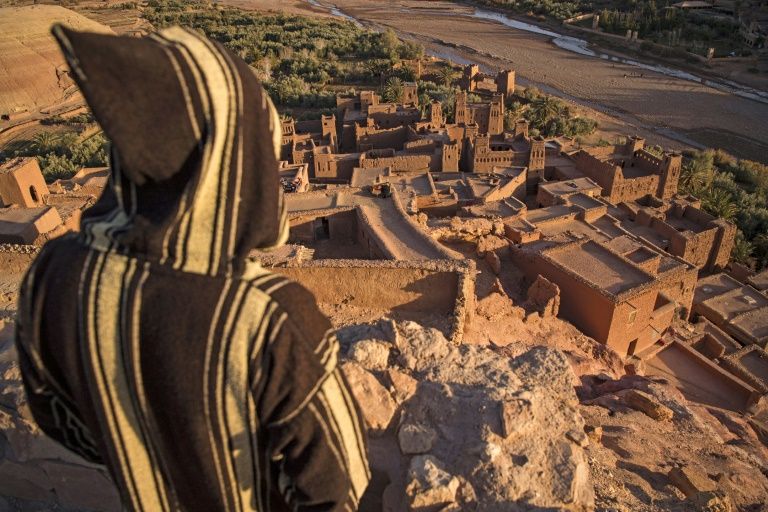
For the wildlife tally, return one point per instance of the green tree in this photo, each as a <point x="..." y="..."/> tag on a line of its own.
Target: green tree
<point x="446" y="75"/>
<point x="393" y="90"/>
<point x="719" y="203"/>
<point x="548" y="115"/>
<point x="44" y="142"/>
<point x="760" y="243"/>
<point x="389" y="44"/>
<point x="742" y="249"/>
<point x="56" y="167"/>
<point x="698" y="173"/>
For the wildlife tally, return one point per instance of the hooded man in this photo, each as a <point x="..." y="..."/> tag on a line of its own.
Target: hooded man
<point x="149" y="341"/>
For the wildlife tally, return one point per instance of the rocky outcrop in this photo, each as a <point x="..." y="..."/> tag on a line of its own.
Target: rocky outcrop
<point x="473" y="429"/>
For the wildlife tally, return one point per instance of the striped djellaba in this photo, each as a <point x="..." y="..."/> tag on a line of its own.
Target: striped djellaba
<point x="149" y="341"/>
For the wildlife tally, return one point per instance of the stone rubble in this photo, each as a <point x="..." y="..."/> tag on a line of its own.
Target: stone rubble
<point x="473" y="429"/>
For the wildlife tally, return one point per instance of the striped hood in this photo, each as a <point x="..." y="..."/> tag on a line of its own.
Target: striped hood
<point x="195" y="141"/>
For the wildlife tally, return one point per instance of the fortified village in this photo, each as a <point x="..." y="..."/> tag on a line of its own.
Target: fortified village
<point x="396" y="213"/>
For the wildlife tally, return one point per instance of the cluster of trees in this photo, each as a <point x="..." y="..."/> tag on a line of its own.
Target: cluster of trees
<point x="84" y="118"/>
<point x="657" y="24"/>
<point x="653" y="21"/>
<point x="558" y="9"/>
<point x="296" y="57"/>
<point x="736" y="190"/>
<point x="643" y="16"/>
<point x="60" y="156"/>
<point x="547" y="115"/>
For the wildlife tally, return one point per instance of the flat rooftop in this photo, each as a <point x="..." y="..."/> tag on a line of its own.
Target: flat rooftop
<point x="21" y="215"/>
<point x="735" y="302"/>
<point x="13" y="164"/>
<point x="754" y="323"/>
<point x="573" y="227"/>
<point x="714" y="285"/>
<point x="313" y="201"/>
<point x="683" y="224"/>
<point x="760" y="281"/>
<point x="549" y="213"/>
<point x="509" y="207"/>
<point x="599" y="266"/>
<point x="365" y="176"/>
<point x="585" y="201"/>
<point x="92" y="177"/>
<point x="567" y="187"/>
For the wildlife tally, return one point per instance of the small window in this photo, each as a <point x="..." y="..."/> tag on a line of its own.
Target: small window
<point x="33" y="194"/>
<point x="632" y="316"/>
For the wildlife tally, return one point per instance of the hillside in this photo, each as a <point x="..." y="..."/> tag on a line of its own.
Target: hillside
<point x="32" y="71"/>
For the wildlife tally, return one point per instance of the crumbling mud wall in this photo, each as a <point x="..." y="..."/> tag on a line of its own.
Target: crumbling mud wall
<point x="436" y="287"/>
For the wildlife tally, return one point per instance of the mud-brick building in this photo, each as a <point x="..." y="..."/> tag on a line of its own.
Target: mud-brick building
<point x="627" y="172"/>
<point x="613" y="298"/>
<point x="487" y="115"/>
<point x="22" y="183"/>
<point x="24" y="214"/>
<point x="474" y="81"/>
<point x="682" y="229"/>
<point x="738" y="309"/>
<point x="485" y="153"/>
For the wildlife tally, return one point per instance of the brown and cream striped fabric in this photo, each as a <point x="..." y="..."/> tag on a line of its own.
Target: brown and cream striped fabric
<point x="149" y="341"/>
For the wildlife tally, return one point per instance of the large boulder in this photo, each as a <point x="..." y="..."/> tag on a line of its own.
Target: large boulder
<point x="477" y="430"/>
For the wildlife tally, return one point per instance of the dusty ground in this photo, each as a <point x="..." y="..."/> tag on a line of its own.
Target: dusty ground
<point x="655" y="105"/>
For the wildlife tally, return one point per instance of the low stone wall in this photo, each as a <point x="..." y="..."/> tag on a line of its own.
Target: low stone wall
<point x="434" y="287"/>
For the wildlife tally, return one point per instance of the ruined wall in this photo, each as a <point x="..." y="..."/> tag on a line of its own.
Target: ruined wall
<point x="328" y="166"/>
<point x="679" y="286"/>
<point x="698" y="247"/>
<point x="416" y="162"/>
<point x="602" y="173"/>
<point x="372" y="137"/>
<point x="342" y="226"/>
<point x="629" y="189"/>
<point x="386" y="119"/>
<point x="380" y="288"/>
<point x="415" y="289"/>
<point x="369" y="239"/>
<point x="16" y="258"/>
<point x="723" y="245"/>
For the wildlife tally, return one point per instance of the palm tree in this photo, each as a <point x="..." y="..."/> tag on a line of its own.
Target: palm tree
<point x="760" y="243"/>
<point x="393" y="90"/>
<point x="44" y="142"/>
<point x="719" y="203"/>
<point x="698" y="173"/>
<point x="545" y="109"/>
<point x="742" y="250"/>
<point x="446" y="75"/>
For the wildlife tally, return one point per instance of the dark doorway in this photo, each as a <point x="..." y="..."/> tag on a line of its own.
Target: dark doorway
<point x="322" y="229"/>
<point x="632" y="348"/>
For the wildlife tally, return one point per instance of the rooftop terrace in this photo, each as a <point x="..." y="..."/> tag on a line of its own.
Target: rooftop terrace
<point x="599" y="266"/>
